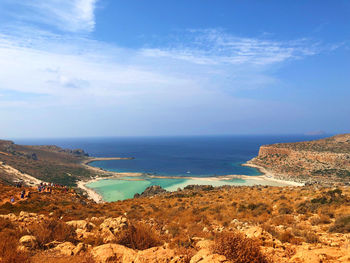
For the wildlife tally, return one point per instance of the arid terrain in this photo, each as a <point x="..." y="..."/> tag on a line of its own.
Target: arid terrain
<point x="308" y="223"/>
<point x="197" y="224"/>
<point x="324" y="161"/>
<point x="46" y="163"/>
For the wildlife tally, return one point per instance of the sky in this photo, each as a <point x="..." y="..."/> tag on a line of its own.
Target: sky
<point x="93" y="68"/>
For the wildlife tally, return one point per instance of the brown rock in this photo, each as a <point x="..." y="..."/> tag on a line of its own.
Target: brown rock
<point x="66" y="249"/>
<point x="155" y="255"/>
<point x="113" y="253"/>
<point x="29" y="242"/>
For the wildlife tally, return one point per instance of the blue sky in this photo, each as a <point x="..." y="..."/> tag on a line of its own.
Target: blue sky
<point x="73" y="68"/>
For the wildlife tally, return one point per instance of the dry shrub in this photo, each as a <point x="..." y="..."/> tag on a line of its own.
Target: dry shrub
<point x="54" y="258"/>
<point x="186" y="253"/>
<point x="6" y="224"/>
<point x="288" y="236"/>
<point x="283" y="220"/>
<point x="341" y="225"/>
<point x="8" y="248"/>
<point x="237" y="248"/>
<point x="52" y="230"/>
<point x="310" y="237"/>
<point x="139" y="236"/>
<point x="322" y="219"/>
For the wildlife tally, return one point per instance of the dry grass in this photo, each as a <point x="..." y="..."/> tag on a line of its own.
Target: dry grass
<point x="52" y="230"/>
<point x="47" y="257"/>
<point x="341" y="225"/>
<point x="238" y="249"/>
<point x="9" y="235"/>
<point x="139" y="236"/>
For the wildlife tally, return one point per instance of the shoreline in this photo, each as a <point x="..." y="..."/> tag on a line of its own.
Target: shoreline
<point x="98" y="198"/>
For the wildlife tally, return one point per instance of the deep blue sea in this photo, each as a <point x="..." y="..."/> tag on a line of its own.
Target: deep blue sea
<point x="197" y="160"/>
<point x="201" y="156"/>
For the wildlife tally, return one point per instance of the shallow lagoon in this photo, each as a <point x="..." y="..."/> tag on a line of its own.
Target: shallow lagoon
<point x="125" y="188"/>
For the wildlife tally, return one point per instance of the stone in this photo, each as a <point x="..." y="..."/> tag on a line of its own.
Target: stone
<point x="29" y="242"/>
<point x="81" y="224"/>
<point x="200" y="255"/>
<point x="66" y="249"/>
<point x="113" y="253"/>
<point x="114" y="224"/>
<point x="79" y="248"/>
<point x="155" y="255"/>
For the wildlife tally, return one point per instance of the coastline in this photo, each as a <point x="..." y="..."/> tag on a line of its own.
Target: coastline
<point x="268" y="175"/>
<point x="98" y="198"/>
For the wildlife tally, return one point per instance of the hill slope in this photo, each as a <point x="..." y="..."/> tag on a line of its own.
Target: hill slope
<point x="325" y="160"/>
<point x="46" y="163"/>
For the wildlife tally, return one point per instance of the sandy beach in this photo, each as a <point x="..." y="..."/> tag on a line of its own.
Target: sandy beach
<point x="266" y="176"/>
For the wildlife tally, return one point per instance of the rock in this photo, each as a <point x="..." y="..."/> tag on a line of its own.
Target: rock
<point x="113" y="253"/>
<point x="66" y="248"/>
<point x="83" y="234"/>
<point x="29" y="242"/>
<point x="214" y="258"/>
<point x="107" y="235"/>
<point x="205" y="244"/>
<point x="200" y="255"/>
<point x="80" y="248"/>
<point x="114" y="224"/>
<point x="155" y="255"/>
<point x="305" y="255"/>
<point x="81" y="224"/>
<point x="151" y="191"/>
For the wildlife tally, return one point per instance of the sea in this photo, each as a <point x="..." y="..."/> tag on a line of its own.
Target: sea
<point x="190" y="159"/>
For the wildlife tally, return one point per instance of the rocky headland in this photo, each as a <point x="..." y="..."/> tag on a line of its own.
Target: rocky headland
<point x="324" y="161"/>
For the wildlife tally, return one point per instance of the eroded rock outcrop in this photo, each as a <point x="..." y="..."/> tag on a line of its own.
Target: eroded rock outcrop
<point x="319" y="160"/>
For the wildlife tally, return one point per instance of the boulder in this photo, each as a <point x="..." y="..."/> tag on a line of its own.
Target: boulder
<point x="81" y="224"/>
<point x="155" y="255"/>
<point x="66" y="249"/>
<point x="81" y="247"/>
<point x="29" y="242"/>
<point x="114" y="224"/>
<point x="113" y="253"/>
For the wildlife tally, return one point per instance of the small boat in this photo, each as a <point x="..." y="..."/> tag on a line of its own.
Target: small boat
<point x="188" y="172"/>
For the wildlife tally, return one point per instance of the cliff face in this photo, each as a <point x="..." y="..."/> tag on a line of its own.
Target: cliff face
<point x="320" y="159"/>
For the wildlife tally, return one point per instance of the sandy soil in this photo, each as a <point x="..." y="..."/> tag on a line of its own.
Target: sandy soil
<point x="26" y="178"/>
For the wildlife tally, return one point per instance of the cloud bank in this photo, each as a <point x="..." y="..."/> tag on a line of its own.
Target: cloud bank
<point x="67" y="84"/>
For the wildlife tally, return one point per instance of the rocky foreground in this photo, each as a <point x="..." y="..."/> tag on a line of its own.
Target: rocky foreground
<point x="325" y="161"/>
<point x="198" y="224"/>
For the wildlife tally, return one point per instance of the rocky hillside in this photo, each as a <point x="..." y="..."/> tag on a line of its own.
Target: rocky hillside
<point x="46" y="163"/>
<point x="320" y="160"/>
<point x="226" y="224"/>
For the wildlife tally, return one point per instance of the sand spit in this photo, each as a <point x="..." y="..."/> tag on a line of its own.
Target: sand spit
<point x="266" y="176"/>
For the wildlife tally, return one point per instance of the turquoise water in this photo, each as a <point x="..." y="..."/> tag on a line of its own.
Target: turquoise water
<point x="202" y="157"/>
<point x="126" y="187"/>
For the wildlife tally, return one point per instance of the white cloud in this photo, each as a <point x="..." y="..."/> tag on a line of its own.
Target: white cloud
<point x="56" y="76"/>
<point x="66" y="15"/>
<point x="52" y="65"/>
<point x="214" y="47"/>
